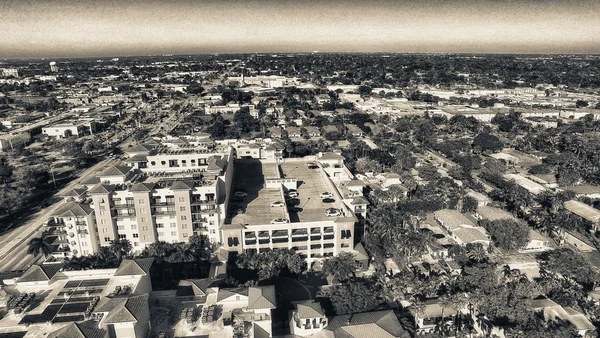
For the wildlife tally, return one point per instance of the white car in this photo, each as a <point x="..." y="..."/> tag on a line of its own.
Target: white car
<point x="279" y="221"/>
<point x="240" y="194"/>
<point x="332" y="212"/>
<point x="326" y="195"/>
<point x="293" y="194"/>
<point x="278" y="204"/>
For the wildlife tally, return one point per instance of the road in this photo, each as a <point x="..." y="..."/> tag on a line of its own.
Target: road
<point x="13" y="244"/>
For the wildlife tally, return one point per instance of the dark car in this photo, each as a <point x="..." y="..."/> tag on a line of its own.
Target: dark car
<point x="328" y="200"/>
<point x="295" y="209"/>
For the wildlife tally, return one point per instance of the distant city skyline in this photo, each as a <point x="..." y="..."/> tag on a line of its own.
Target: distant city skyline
<point x="67" y="28"/>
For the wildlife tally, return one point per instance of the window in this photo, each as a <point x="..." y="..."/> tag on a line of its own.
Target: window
<point x="211" y="215"/>
<point x="122" y="236"/>
<point x="185" y="235"/>
<point x="83" y="243"/>
<point x="233" y="241"/>
<point x="163" y="162"/>
<point x="101" y="213"/>
<point x="106" y="239"/>
<point x="136" y="236"/>
<point x="181" y="208"/>
<point x="134" y="227"/>
<point x="184" y="226"/>
<point x="103" y="208"/>
<point x="103" y="221"/>
<point x="145" y="228"/>
<point x="140" y="201"/>
<point x="136" y="244"/>
<point x="161" y="234"/>
<point x="173" y="233"/>
<point x="121" y="227"/>
<point x="212" y="231"/>
<point x="183" y="217"/>
<point x="143" y="220"/>
<point x="173" y="225"/>
<point x="142" y="211"/>
<point x="182" y="199"/>
<point x="346" y="234"/>
<point x="160" y="225"/>
<point x="145" y="237"/>
<point x="152" y="163"/>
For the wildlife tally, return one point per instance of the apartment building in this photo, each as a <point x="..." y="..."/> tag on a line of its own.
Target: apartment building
<point x="289" y="204"/>
<point x="167" y="202"/>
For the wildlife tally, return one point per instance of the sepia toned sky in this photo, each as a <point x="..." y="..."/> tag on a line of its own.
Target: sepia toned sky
<point x="64" y="28"/>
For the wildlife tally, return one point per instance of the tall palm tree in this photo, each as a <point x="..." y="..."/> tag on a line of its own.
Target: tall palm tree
<point x="478" y="253"/>
<point x="120" y="247"/>
<point x="39" y="245"/>
<point x="183" y="253"/>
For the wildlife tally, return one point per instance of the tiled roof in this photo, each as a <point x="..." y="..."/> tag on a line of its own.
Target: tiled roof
<point x="124" y="310"/>
<point x="360" y="253"/>
<point x="102" y="189"/>
<point x="259" y="332"/>
<point x="139" y="148"/>
<point x="309" y="309"/>
<point x="90" y="181"/>
<point x="40" y="273"/>
<point x="375" y="324"/>
<point x="228" y="292"/>
<point x="75" y="192"/>
<point x="142" y="187"/>
<point x="453" y="219"/>
<point x="359" y="201"/>
<point x="133" y="267"/>
<point x="115" y="170"/>
<point x="262" y="297"/>
<point x="74" y="209"/>
<point x="137" y="158"/>
<point x="196" y="287"/>
<point x="182" y="185"/>
<point x="470" y="235"/>
<point x="87" y="329"/>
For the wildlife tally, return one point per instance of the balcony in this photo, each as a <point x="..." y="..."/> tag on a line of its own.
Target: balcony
<point x="263" y="234"/>
<point x="327" y="237"/>
<point x="249" y="235"/>
<point x="252" y="242"/>
<point x="328" y="230"/>
<point x="280" y="233"/>
<point x="280" y="240"/>
<point x="202" y="202"/>
<point x="264" y="241"/>
<point x="315" y="238"/>
<point x="315" y="231"/>
<point x="124" y="215"/>
<point x="164" y="213"/>
<point x="163" y="204"/>
<point x="299" y="232"/>
<point x="200" y="228"/>
<point x="300" y="239"/>
<point x="124" y="206"/>
<point x="83" y="232"/>
<point x="80" y="223"/>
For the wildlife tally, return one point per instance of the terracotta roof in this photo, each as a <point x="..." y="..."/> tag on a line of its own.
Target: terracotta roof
<point x="196" y="287"/>
<point x="228" y="292"/>
<point x="90" y="181"/>
<point x="87" y="329"/>
<point x="360" y="253"/>
<point x="124" y="310"/>
<point x="375" y="324"/>
<point x="134" y="267"/>
<point x="137" y="158"/>
<point x="102" y="189"/>
<point x="309" y="309"/>
<point x="262" y="297"/>
<point x="74" y="209"/>
<point x="182" y="185"/>
<point x="359" y="201"/>
<point x="40" y="273"/>
<point x="77" y="192"/>
<point x="116" y="170"/>
<point x="142" y="187"/>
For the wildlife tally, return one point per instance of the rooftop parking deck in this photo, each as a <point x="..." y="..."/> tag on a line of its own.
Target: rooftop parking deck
<point x="311" y="184"/>
<point x="255" y="208"/>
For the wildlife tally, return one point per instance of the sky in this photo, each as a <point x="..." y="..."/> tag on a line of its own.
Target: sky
<point x="78" y="28"/>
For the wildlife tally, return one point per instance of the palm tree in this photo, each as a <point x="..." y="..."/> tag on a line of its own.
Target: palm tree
<point x="478" y="253"/>
<point x="104" y="258"/>
<point x="183" y="253"/>
<point x="39" y="245"/>
<point x="120" y="247"/>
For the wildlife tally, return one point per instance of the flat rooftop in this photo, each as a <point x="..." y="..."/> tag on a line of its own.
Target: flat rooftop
<point x="255" y="209"/>
<point x="311" y="184"/>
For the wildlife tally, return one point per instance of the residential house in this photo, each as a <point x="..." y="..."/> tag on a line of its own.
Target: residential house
<point x="461" y="228"/>
<point x="554" y="311"/>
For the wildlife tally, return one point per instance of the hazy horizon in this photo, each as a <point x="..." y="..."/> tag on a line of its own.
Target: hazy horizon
<point x="86" y="28"/>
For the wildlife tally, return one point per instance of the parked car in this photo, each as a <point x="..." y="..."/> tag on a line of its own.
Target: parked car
<point x="328" y="200"/>
<point x="278" y="204"/>
<point x="280" y="221"/>
<point x="326" y="195"/>
<point x="293" y="193"/>
<point x="295" y="209"/>
<point x="332" y="212"/>
<point x="240" y="194"/>
<point x="312" y="165"/>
